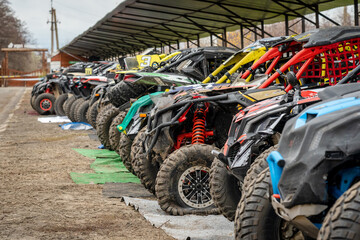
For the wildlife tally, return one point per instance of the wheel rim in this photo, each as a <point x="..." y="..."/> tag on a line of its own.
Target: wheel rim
<point x="194" y="187"/>
<point x="45" y="104"/>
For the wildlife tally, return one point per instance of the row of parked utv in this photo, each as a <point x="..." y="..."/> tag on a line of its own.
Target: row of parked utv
<point x="267" y="136"/>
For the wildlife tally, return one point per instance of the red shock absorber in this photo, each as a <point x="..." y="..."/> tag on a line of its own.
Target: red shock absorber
<point x="198" y="133"/>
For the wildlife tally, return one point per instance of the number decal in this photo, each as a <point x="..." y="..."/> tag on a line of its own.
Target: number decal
<point x="88" y="71"/>
<point x="146" y="61"/>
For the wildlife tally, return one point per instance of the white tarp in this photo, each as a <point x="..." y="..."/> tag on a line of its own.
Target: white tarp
<point x="194" y="227"/>
<point x="52" y="119"/>
<point x="76" y="126"/>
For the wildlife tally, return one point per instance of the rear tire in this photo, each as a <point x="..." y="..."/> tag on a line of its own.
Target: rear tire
<point x="137" y="150"/>
<point x="123" y="91"/>
<point x="182" y="183"/>
<point x="343" y="219"/>
<point x="258" y="166"/>
<point x="92" y="113"/>
<point x="80" y="112"/>
<point x="74" y="108"/>
<point x="32" y="101"/>
<point x="103" y="122"/>
<point x="255" y="217"/>
<point x="124" y="150"/>
<point x="114" y="134"/>
<point x="59" y="104"/>
<point x="44" y="103"/>
<point x="225" y="189"/>
<point x="67" y="105"/>
<point x="144" y="169"/>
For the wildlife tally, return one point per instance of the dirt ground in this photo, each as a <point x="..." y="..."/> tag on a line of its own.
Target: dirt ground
<point x="38" y="199"/>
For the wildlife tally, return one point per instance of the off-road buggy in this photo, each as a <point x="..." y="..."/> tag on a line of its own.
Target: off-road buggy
<point x="45" y="92"/>
<point x="147" y="169"/>
<point x="189" y="62"/>
<point x="238" y="62"/>
<point x="257" y="128"/>
<point x="104" y="95"/>
<point x="136" y="117"/>
<point x="312" y="181"/>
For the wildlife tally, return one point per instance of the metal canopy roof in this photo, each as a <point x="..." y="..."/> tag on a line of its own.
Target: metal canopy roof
<point x="138" y="24"/>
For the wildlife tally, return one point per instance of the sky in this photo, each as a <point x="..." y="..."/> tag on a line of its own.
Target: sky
<point x="75" y="17"/>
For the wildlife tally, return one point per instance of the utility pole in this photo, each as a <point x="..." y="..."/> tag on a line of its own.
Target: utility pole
<point x="53" y="28"/>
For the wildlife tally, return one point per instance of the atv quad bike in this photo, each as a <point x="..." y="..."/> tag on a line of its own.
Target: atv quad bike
<point x="252" y="131"/>
<point x="44" y="93"/>
<point x="127" y="65"/>
<point x="81" y="86"/>
<point x="193" y="65"/>
<point x="66" y="82"/>
<point x="54" y="85"/>
<point x="312" y="181"/>
<point x="255" y="129"/>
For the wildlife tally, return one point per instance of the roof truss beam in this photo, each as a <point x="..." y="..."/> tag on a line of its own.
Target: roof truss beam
<point x="156" y="17"/>
<point x="181" y="15"/>
<point x="129" y="34"/>
<point x="250" y="8"/>
<point x="179" y="35"/>
<point x="152" y="28"/>
<point x="312" y="8"/>
<point x="212" y="33"/>
<point x="115" y="37"/>
<point x="164" y="42"/>
<point x="244" y="19"/>
<point x="157" y="23"/>
<point x="293" y="11"/>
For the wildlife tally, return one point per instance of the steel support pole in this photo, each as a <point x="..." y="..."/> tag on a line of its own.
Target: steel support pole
<point x="286" y="25"/>
<point x="317" y="21"/>
<point x="198" y="40"/>
<point x="44" y="65"/>
<point x="255" y="34"/>
<point x="52" y="31"/>
<point x="303" y="28"/>
<point x="6" y="70"/>
<point x="211" y="40"/>
<point x="242" y="35"/>
<point x="187" y="43"/>
<point x="356" y="12"/>
<point x="56" y="31"/>
<point x="224" y="37"/>
<point x="262" y="29"/>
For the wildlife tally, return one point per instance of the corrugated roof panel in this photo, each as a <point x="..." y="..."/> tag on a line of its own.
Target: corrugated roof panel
<point x="143" y="23"/>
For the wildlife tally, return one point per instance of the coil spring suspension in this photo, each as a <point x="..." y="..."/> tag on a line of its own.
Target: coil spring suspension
<point x="198" y="132"/>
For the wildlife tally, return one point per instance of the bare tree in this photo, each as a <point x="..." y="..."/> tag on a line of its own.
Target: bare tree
<point x="13" y="30"/>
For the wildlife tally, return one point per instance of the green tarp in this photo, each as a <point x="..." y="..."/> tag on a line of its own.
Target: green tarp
<point x="107" y="167"/>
